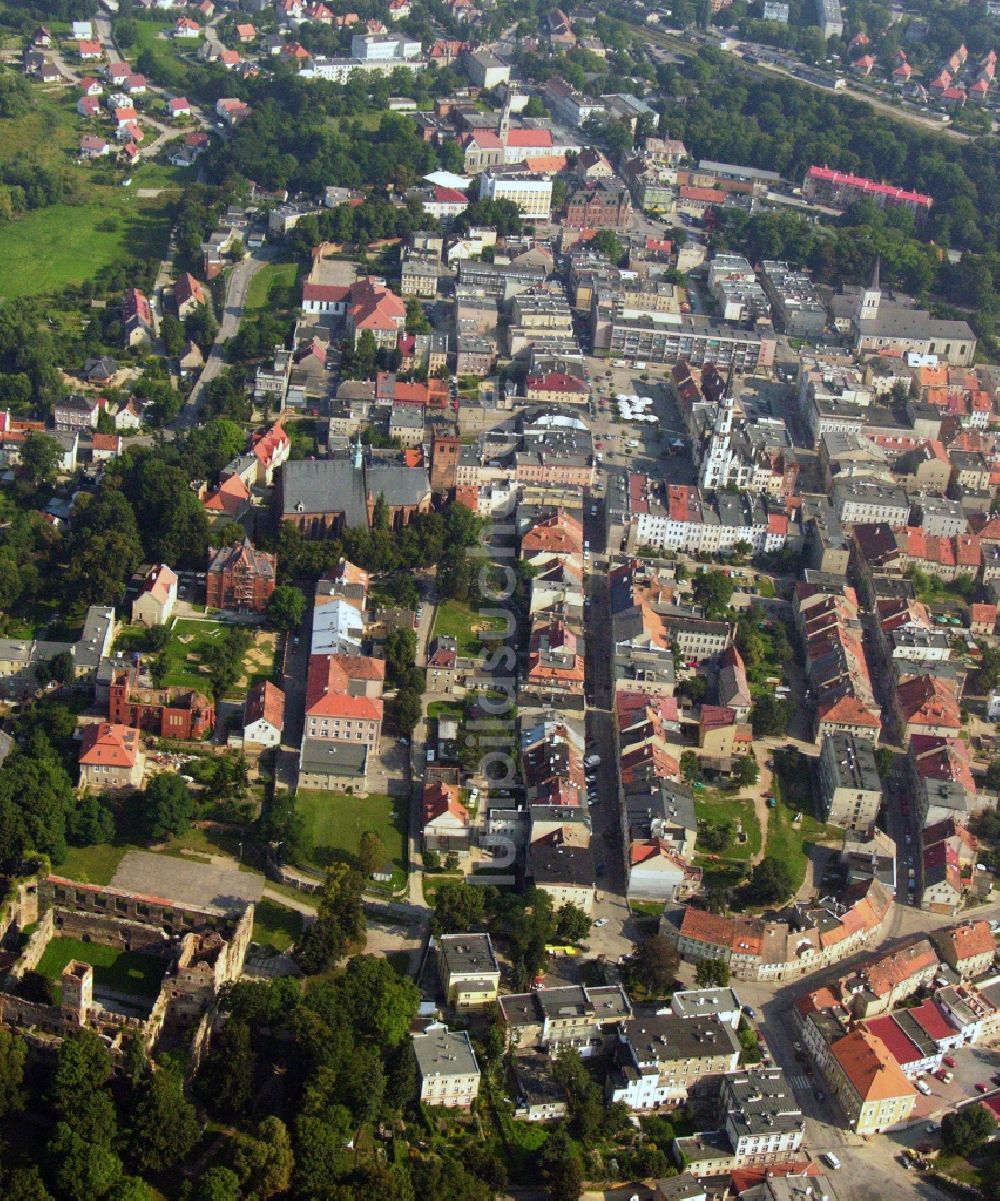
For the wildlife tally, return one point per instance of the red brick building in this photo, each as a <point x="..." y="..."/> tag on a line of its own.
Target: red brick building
<point x="168" y="712"/>
<point x="599" y="204"/>
<point x="240" y="577"/>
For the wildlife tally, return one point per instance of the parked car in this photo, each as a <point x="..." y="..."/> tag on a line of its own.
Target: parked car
<point x="830" y="1160"/>
<point x="982" y="1088"/>
<point x="949" y="1061"/>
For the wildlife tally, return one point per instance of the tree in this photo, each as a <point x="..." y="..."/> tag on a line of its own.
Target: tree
<point x="172" y="333"/>
<point x="371" y="853"/>
<point x="168" y="807"/>
<point x="458" y="907"/>
<point x="745" y="770"/>
<point x="408" y="709"/>
<point x="711" y="973"/>
<point x="25" y="1184"/>
<point x="770" y="881"/>
<point x="40" y="457"/>
<point x="286" y="607"/>
<point x="654" y="965"/>
<point x="572" y="924"/>
<point x="164" y="1124"/>
<point x="13" y="1053"/>
<point x="884" y="758"/>
<point x="81" y="1171"/>
<point x="217" y="1184"/>
<point x="964" y="1131"/>
<point x="562" y="1167"/>
<point x="416" y="318"/>
<point x="83" y="1068"/>
<point x="130" y="1188"/>
<point x="690" y="767"/>
<point x="713" y="590"/>
<point x="605" y="242"/>
<point x="379" y="1003"/>
<point x="769" y="717"/>
<point x="61" y="667"/>
<point x="227" y="1071"/>
<point x="715" y="837"/>
<point x="400" y="654"/>
<point x="339" y="922"/>
<point x="264" y="1164"/>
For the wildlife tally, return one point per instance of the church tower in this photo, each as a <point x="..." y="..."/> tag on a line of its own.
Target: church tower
<point x="504" y="127"/>
<point x="716" y="465"/>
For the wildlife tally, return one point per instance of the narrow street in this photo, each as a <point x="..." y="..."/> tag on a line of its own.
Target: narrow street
<point x="232" y="315"/>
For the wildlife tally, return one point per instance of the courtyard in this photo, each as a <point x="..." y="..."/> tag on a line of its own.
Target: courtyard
<point x="115" y="970"/>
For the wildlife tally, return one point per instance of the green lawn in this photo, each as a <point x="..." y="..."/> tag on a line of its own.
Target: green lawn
<point x="788" y="839"/>
<point x="712" y="808"/>
<point x="445" y="710"/>
<point x="275" y="925"/>
<point x="189" y="643"/>
<point x="51" y="247"/>
<point x="458" y="621"/>
<point x="114" y="969"/>
<point x="92" y="865"/>
<point x="337" y="821"/>
<point x="275" y="286"/>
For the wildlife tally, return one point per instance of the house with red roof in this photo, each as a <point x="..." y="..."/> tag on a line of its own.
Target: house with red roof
<point x="444" y="203"/>
<point x="88" y="51"/>
<point x="325" y="298"/>
<point x="863" y="65"/>
<point x="125" y="115"/>
<point x="92" y="146"/>
<point x="157" y="596"/>
<point x="104" y="447"/>
<point x="556" y="387"/>
<point x="178" y="106"/>
<point x="188" y="294"/>
<point x="137" y="318"/>
<point x="230" y="59"/>
<point x="925" y="705"/>
<point x="446" y="825"/>
<point x="271" y="450"/>
<point x="111" y="757"/>
<point x="968" y="949"/>
<point x="375" y="308"/>
<point x="344" y="700"/>
<point x="658" y="873"/>
<point x="185" y="27"/>
<point x="90" y="86"/>
<point x="88" y="106"/>
<point x="117" y="73"/>
<point x="263" y="715"/>
<point x="245" y="32"/>
<point x="232" y="499"/>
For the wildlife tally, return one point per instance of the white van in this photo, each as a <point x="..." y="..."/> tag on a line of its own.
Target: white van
<point x="923" y="1087"/>
<point x="830" y="1160"/>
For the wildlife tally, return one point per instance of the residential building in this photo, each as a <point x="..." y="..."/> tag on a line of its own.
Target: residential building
<point x="555" y="1019"/>
<point x="468" y="971"/>
<point x="239" y="577"/>
<point x="531" y="192"/>
<point x="157" y="597"/>
<point x="968" y="949"/>
<point x="111" y="757"/>
<point x="446" y="1065"/>
<point x="599" y="204"/>
<point x="344" y="699"/>
<point x="871" y="1087"/>
<point x="445" y="819"/>
<point x="75" y="413"/>
<point x="849" y="783"/>
<point x="761" y="1117"/>
<point x="263" y="715"/>
<point x="659" y="1059"/>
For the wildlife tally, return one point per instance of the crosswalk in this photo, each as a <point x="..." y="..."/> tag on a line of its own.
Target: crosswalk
<point x="800" y="1082"/>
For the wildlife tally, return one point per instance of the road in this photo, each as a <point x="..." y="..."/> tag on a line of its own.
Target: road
<point x="232" y="313"/>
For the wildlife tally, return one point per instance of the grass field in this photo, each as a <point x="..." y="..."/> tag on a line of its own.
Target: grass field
<point x="189" y="644"/>
<point x="337" y="822"/>
<point x="458" y="621"/>
<point x="92" y="865"/>
<point x="48" y="248"/>
<point x="713" y="808"/>
<point x="114" y="969"/>
<point x="788" y="839"/>
<point x="275" y="286"/>
<point x="275" y="925"/>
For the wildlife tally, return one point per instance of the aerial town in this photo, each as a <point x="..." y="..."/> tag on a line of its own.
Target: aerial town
<point x="499" y="601"/>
